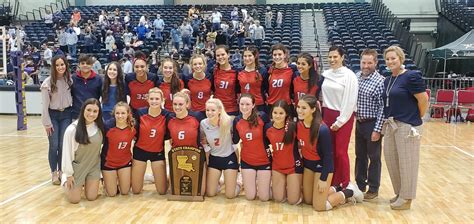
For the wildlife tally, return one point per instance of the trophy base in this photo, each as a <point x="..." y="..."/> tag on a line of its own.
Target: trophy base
<point x="185" y="198"/>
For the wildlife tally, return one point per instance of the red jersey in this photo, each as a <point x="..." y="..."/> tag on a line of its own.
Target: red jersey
<point x="151" y="131"/>
<point x="138" y="91"/>
<point x="201" y="91"/>
<point x="116" y="151"/>
<point x="166" y="88"/>
<point x="309" y="151"/>
<point x="226" y="88"/>
<point x="285" y="157"/>
<point x="252" y="82"/>
<point x="300" y="88"/>
<point x="254" y="145"/>
<point x="184" y="132"/>
<point x="280" y="84"/>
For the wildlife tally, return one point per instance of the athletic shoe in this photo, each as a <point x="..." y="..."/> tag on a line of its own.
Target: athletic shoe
<point x="370" y="195"/>
<point x="358" y="195"/>
<point x="149" y="178"/>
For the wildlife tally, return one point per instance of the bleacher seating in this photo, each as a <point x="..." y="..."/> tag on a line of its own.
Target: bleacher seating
<point x="459" y="13"/>
<point x="355" y="27"/>
<point x="289" y="34"/>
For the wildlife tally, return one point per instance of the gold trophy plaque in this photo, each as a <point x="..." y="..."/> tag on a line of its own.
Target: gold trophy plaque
<point x="186" y="171"/>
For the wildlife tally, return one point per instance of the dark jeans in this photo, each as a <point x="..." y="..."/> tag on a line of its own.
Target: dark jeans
<point x="366" y="150"/>
<point x="187" y="41"/>
<point x="241" y="42"/>
<point x="258" y="43"/>
<point x="60" y="121"/>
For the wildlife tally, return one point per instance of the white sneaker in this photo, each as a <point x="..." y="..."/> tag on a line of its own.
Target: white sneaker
<point x="149" y="178"/>
<point x="358" y="195"/>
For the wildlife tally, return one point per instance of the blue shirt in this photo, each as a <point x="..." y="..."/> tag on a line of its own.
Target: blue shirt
<point x="111" y="101"/>
<point x="402" y="104"/>
<point x="83" y="89"/>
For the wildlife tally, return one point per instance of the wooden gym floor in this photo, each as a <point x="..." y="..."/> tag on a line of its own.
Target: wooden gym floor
<point x="445" y="189"/>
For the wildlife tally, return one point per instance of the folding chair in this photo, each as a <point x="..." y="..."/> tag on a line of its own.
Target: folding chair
<point x="444" y="98"/>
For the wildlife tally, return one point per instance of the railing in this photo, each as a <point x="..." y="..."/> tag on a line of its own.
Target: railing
<point x="318" y="46"/>
<point x="448" y="83"/>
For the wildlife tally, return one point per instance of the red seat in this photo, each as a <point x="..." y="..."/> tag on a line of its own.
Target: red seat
<point x="444" y="98"/>
<point x="465" y="99"/>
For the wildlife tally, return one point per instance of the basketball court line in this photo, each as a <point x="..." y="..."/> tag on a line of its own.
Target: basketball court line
<point x="24" y="192"/>
<point x="25" y="136"/>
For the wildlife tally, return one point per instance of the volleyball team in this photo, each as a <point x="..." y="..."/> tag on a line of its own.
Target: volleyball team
<point x="282" y="129"/>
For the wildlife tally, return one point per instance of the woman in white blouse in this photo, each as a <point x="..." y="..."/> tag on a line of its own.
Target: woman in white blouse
<point x="81" y="153"/>
<point x="339" y="95"/>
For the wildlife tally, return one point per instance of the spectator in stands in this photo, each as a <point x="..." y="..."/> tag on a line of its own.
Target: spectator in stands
<point x="216" y="19"/>
<point x="254" y="13"/>
<point x="234" y="17"/>
<point x="211" y="39"/>
<point x="31" y="69"/>
<point x="236" y="59"/>
<point x="141" y="31"/>
<point x="127" y="66"/>
<point x="196" y="25"/>
<point x="109" y="41"/>
<point x="57" y="51"/>
<point x="36" y="55"/>
<point x="175" y="36"/>
<point x="114" y="54"/>
<point x="240" y="35"/>
<point x="96" y="66"/>
<point x="144" y="20"/>
<point x="127" y="37"/>
<point x="21" y="34"/>
<point x="86" y="84"/>
<point x="56" y="112"/>
<point x="13" y="43"/>
<point x="369" y="117"/>
<point x="339" y="94"/>
<point x="221" y="38"/>
<point x="128" y="50"/>
<point x="44" y="71"/>
<point x="62" y="39"/>
<point x="89" y="40"/>
<point x="159" y="26"/>
<point x="116" y="27"/>
<point x="279" y="19"/>
<point x="117" y="13"/>
<point x="406" y="102"/>
<point x="259" y="34"/>
<point x="244" y="14"/>
<point x="199" y="45"/>
<point x="47" y="53"/>
<point x="191" y="11"/>
<point x="126" y="19"/>
<point x="71" y="40"/>
<point x="48" y="18"/>
<point x="268" y="18"/>
<point x="76" y="16"/>
<point x="186" y="33"/>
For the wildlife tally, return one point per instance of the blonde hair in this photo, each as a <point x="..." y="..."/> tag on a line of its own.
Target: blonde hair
<point x="196" y="56"/>
<point x="130" y="121"/>
<point x="158" y="90"/>
<point x="398" y="51"/>
<point x="183" y="95"/>
<point x="225" y="121"/>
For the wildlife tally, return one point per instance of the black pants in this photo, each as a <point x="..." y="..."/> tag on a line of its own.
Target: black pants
<point x="366" y="150"/>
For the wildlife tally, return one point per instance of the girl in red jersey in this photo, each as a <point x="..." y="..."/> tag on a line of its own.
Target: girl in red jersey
<point x="183" y="128"/>
<point x="280" y="76"/>
<point x="253" y="78"/>
<point x="116" y="154"/>
<point x="287" y="167"/>
<point x="150" y="144"/>
<point x="255" y="156"/>
<point x="307" y="80"/>
<point x="199" y="85"/>
<point x="226" y="86"/>
<point x="315" y="143"/>
<point x="138" y="83"/>
<point x="171" y="83"/>
<point x="220" y="153"/>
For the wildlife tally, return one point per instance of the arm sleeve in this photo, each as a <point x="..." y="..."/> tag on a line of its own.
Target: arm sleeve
<point x="324" y="147"/>
<point x="235" y="132"/>
<point x="45" y="119"/>
<point x="69" y="147"/>
<point x="349" y="100"/>
<point x="379" y="99"/>
<point x="264" y="73"/>
<point x="127" y="81"/>
<point x="416" y="83"/>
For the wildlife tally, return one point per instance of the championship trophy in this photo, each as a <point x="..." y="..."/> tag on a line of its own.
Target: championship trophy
<point x="186" y="171"/>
